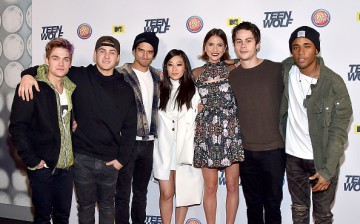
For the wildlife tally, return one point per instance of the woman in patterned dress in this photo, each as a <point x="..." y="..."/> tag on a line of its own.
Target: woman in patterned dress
<point x="217" y="136"/>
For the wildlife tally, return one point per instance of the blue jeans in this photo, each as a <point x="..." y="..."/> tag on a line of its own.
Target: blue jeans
<point x="94" y="183"/>
<point x="135" y="174"/>
<point x="51" y="194"/>
<point x="262" y="178"/>
<point x="298" y="172"/>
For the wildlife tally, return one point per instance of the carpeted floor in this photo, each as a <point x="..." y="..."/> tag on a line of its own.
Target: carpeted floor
<point x="12" y="221"/>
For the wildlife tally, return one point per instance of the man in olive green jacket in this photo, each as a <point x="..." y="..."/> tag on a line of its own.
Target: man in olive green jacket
<point x="314" y="118"/>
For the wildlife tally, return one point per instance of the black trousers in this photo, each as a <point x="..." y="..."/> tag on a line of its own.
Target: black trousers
<point x="135" y="175"/>
<point x="298" y="172"/>
<point x="51" y="194"/>
<point x="262" y="178"/>
<point x="95" y="183"/>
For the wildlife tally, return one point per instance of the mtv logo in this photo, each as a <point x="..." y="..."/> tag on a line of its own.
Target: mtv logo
<point x="233" y="21"/>
<point x="118" y="29"/>
<point x="357" y="129"/>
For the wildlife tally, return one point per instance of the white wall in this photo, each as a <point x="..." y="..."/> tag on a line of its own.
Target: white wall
<point x="339" y="47"/>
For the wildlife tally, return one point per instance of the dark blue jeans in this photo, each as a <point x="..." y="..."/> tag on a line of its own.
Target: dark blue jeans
<point x="51" y="194"/>
<point x="262" y="177"/>
<point x="94" y="183"/>
<point x="298" y="172"/>
<point x="135" y="174"/>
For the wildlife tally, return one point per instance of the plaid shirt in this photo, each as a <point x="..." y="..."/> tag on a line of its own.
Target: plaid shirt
<point x="142" y="122"/>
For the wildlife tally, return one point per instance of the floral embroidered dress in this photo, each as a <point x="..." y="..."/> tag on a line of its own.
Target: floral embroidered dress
<point x="217" y="139"/>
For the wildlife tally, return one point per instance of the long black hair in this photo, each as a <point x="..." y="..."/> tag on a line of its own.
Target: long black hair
<point x="187" y="86"/>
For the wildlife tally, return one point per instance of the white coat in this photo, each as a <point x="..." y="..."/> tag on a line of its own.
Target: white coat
<point x="176" y="131"/>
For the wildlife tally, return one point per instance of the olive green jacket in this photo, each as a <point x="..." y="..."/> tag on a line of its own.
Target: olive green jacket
<point x="66" y="156"/>
<point x="329" y="111"/>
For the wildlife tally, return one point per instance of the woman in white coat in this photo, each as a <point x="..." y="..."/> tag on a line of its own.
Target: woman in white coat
<point x="173" y="148"/>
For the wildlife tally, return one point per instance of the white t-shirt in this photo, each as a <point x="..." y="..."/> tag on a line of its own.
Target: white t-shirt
<point x="298" y="142"/>
<point x="63" y="103"/>
<point x="147" y="92"/>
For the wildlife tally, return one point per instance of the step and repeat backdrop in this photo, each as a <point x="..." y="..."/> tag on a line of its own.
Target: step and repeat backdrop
<point x="181" y="25"/>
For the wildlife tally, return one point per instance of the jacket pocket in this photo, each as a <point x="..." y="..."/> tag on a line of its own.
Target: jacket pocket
<point x="342" y="107"/>
<point x="327" y="119"/>
<point x="328" y="107"/>
<point x="318" y="107"/>
<point x="323" y="110"/>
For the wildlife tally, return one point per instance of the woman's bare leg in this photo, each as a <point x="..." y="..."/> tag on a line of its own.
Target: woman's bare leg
<point x="167" y="190"/>
<point x="210" y="190"/>
<point x="232" y="192"/>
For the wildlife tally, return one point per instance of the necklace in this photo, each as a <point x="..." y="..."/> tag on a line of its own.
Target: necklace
<point x="305" y="94"/>
<point x="313" y="76"/>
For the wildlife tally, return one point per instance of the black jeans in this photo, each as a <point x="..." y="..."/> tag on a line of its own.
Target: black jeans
<point x="298" y="172"/>
<point x="94" y="183"/>
<point x="51" y="194"/>
<point x="262" y="178"/>
<point x="135" y="174"/>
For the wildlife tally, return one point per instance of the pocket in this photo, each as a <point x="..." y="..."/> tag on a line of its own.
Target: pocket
<point x="327" y="117"/>
<point x="318" y="107"/>
<point x="324" y="110"/>
<point x="328" y="108"/>
<point x="110" y="168"/>
<point x="80" y="160"/>
<point x="114" y="168"/>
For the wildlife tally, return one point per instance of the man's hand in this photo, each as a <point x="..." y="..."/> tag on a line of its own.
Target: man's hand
<point x="200" y="107"/>
<point x="41" y="165"/>
<point x="161" y="74"/>
<point x="322" y="183"/>
<point x="115" y="163"/>
<point x="74" y="126"/>
<point x="25" y="88"/>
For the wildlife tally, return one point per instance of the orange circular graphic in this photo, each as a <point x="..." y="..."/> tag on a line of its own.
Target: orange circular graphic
<point x="194" y="24"/>
<point x="84" y="31"/>
<point x="320" y="18"/>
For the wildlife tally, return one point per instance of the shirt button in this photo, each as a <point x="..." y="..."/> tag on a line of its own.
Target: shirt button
<point x="173" y="121"/>
<point x="173" y="129"/>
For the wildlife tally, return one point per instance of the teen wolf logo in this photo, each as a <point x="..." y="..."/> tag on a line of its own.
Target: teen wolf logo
<point x="51" y="32"/>
<point x="157" y="25"/>
<point x="222" y="179"/>
<point x="352" y="183"/>
<point x="152" y="219"/>
<point x="277" y="19"/>
<point x="354" y="73"/>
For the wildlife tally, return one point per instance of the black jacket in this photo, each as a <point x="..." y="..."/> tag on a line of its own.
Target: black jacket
<point x="105" y="111"/>
<point x="34" y="127"/>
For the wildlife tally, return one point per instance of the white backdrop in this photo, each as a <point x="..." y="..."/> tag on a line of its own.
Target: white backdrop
<point x="340" y="48"/>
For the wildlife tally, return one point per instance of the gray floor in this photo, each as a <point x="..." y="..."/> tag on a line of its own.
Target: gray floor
<point x="12" y="221"/>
